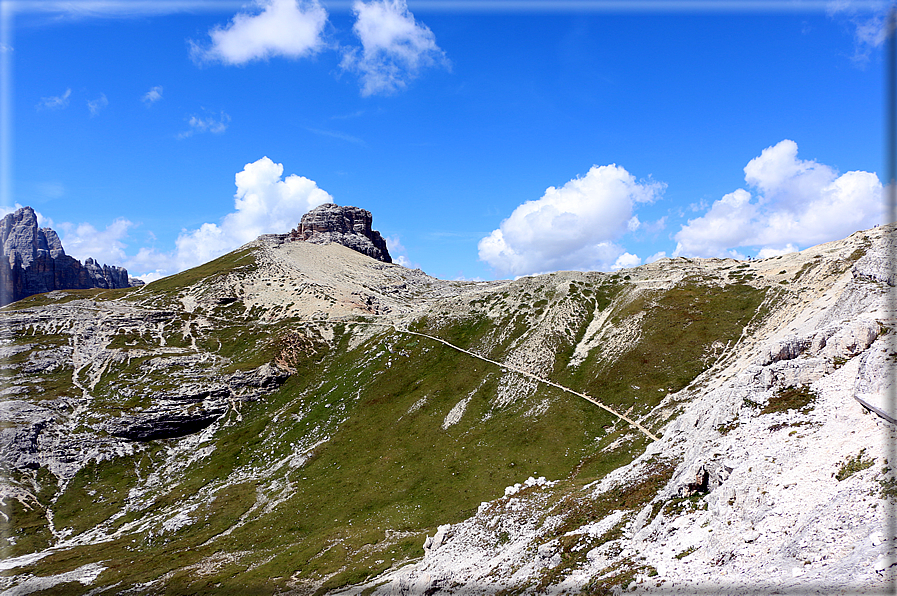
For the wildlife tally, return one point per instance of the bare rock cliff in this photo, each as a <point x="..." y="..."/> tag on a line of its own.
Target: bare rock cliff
<point x="32" y="261"/>
<point x="349" y="226"/>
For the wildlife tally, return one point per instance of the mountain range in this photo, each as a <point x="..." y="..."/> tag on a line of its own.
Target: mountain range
<point x="298" y="417"/>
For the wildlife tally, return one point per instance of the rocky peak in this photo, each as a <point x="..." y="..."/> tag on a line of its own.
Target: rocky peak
<point x="32" y="261"/>
<point x="21" y="237"/>
<point x="349" y="226"/>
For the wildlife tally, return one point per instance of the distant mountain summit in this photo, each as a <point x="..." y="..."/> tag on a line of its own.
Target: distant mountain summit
<point x="33" y="261"/>
<point x="349" y="226"/>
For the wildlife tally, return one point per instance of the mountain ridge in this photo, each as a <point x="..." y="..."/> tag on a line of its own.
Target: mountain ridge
<point x="322" y="409"/>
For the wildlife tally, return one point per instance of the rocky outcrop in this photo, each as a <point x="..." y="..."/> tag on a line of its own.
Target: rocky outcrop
<point x="193" y="407"/>
<point x="349" y="226"/>
<point x="32" y="261"/>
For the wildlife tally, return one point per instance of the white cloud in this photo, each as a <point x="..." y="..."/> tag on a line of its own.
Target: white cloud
<point x="656" y="257"/>
<point x="153" y="95"/>
<point x="573" y="227"/>
<point x="96" y="105"/>
<point x="264" y="203"/>
<point x="770" y="251"/>
<point x="84" y="241"/>
<point x="286" y="28"/>
<point x="208" y="124"/>
<point x="626" y="260"/>
<point x="798" y="203"/>
<point x="726" y="224"/>
<point x="398" y="253"/>
<point x="870" y="31"/>
<point x="394" y="47"/>
<point x="57" y="102"/>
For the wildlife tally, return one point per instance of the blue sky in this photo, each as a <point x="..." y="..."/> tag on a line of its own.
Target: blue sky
<point x="489" y="139"/>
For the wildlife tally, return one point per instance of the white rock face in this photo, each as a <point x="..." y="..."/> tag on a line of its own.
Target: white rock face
<point x="781" y="511"/>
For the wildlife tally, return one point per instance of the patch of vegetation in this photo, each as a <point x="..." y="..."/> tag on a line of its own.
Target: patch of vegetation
<point x="126" y="339"/>
<point x="676" y="329"/>
<point x="208" y="271"/>
<point x="611" y="580"/>
<point x="581" y="511"/>
<point x="853" y="464"/>
<point x="725" y="429"/>
<point x="806" y="268"/>
<point x="792" y="397"/>
<point x="23" y="525"/>
<point x="686" y="552"/>
<point x="95" y="493"/>
<point x="680" y="505"/>
<point x="888" y="487"/>
<point x="54" y="384"/>
<point x="749" y="403"/>
<point x="246" y="345"/>
<point x="860" y="251"/>
<point x="63" y="296"/>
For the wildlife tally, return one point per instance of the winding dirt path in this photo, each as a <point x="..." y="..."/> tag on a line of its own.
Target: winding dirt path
<point x="511" y="368"/>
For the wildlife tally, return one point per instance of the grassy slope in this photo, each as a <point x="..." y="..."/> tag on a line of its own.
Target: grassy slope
<point x="388" y="473"/>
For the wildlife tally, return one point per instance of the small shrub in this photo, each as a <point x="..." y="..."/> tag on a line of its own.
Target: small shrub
<point x="853" y="465"/>
<point x="888" y="488"/>
<point x="790" y="398"/>
<point x="724" y="429"/>
<point x="750" y="403"/>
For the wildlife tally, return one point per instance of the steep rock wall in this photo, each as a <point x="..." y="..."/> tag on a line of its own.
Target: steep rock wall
<point x="349" y="226"/>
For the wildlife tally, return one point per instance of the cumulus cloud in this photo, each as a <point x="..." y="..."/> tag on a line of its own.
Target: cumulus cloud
<point x="57" y="102"/>
<point x="106" y="246"/>
<point x="394" y="46"/>
<point x="625" y="261"/>
<point x="153" y="95"/>
<point x="771" y="251"/>
<point x="572" y="227"/>
<point x="213" y="124"/>
<point x="265" y="202"/>
<point x="287" y="28"/>
<point x="797" y="203"/>
<point x="96" y="105"/>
